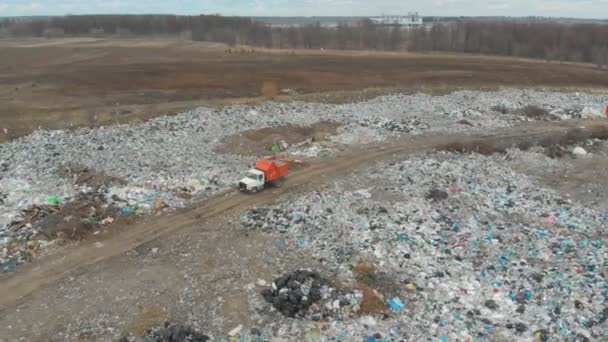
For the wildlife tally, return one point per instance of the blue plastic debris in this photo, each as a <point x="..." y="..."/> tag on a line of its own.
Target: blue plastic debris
<point x="443" y="338"/>
<point x="396" y="304"/>
<point x="457" y="227"/>
<point x="9" y="267"/>
<point x="370" y="339"/>
<point x="127" y="211"/>
<point x="503" y="260"/>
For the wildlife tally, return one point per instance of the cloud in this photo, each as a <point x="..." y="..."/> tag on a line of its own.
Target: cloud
<point x="30" y="7"/>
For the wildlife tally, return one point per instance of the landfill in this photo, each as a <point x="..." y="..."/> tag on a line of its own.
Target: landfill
<point x="466" y="249"/>
<point x="170" y="161"/>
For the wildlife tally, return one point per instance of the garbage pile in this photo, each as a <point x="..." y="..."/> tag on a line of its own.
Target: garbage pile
<point x="400" y="126"/>
<point x="305" y="293"/>
<point x="476" y="250"/>
<point x="293" y="294"/>
<point x="169" y="333"/>
<point x="168" y="160"/>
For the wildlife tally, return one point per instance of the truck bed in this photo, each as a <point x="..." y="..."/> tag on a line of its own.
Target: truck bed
<point x="272" y="169"/>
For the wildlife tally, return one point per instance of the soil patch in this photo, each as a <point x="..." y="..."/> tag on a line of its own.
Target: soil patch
<point x="267" y="140"/>
<point x="83" y="175"/>
<point x="72" y="220"/>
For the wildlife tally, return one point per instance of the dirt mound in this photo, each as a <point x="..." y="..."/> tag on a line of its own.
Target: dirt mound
<point x="72" y="220"/>
<point x="260" y="142"/>
<point x="536" y="113"/>
<point x="83" y="175"/>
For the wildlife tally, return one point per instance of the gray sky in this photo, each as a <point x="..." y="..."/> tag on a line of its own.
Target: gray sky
<point x="549" y="8"/>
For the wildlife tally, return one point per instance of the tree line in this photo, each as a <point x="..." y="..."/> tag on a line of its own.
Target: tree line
<point x="582" y="42"/>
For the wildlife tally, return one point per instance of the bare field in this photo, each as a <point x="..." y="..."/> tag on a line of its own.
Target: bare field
<point x="87" y="82"/>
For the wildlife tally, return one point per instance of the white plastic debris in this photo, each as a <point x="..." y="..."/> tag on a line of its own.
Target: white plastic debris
<point x="579" y="151"/>
<point x="261" y="282"/>
<point x="236" y="330"/>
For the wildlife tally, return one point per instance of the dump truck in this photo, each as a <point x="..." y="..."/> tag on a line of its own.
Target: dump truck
<point x="266" y="171"/>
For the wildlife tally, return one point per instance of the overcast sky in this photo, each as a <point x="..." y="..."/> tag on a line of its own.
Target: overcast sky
<point x="549" y="8"/>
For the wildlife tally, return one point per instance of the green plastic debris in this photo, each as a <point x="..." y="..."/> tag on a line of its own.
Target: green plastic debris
<point x="401" y="237"/>
<point x="276" y="147"/>
<point x="53" y="200"/>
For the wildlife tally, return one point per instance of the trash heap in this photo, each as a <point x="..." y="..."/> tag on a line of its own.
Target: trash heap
<point x="171" y="159"/>
<point x="476" y="251"/>
<point x="305" y="293"/>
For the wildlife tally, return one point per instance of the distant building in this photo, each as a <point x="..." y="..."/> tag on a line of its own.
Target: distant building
<point x="410" y="20"/>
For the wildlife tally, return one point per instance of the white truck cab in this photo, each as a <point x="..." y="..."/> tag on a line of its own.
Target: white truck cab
<point x="253" y="182"/>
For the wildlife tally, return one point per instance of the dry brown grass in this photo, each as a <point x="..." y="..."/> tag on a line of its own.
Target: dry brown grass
<point x="85" y="82"/>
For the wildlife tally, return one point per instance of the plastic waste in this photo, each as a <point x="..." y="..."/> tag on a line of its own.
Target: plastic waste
<point x="8" y="267"/>
<point x="53" y="200"/>
<point x="579" y="151"/>
<point x="396" y="304"/>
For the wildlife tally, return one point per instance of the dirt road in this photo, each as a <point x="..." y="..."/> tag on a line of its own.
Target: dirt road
<point x="16" y="287"/>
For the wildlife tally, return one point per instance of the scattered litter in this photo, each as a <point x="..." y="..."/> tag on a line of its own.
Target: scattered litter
<point x="106" y="221"/>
